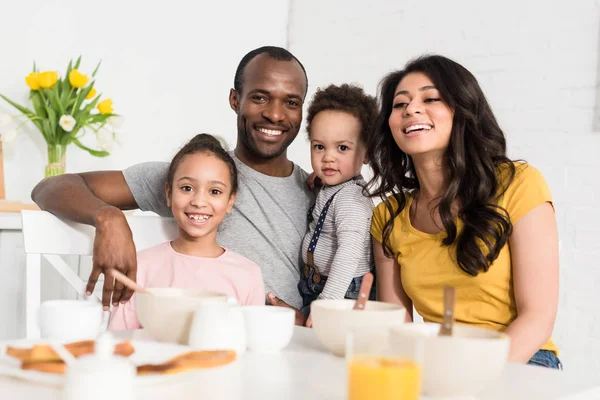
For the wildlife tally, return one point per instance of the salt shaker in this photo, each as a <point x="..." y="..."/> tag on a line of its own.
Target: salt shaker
<point x="102" y="375"/>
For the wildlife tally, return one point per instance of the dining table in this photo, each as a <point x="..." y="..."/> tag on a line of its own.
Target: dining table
<point x="306" y="370"/>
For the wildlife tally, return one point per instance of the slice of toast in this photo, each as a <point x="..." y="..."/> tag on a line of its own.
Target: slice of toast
<point x="189" y="361"/>
<point x="43" y="352"/>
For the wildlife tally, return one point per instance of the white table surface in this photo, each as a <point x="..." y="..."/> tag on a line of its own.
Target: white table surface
<point x="304" y="370"/>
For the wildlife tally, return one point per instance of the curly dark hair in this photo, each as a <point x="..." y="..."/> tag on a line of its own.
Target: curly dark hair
<point x="475" y="160"/>
<point x="351" y="99"/>
<point x="204" y="143"/>
<point x="276" y="53"/>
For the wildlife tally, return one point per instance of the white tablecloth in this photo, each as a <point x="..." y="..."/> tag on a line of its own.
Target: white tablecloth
<point x="304" y="370"/>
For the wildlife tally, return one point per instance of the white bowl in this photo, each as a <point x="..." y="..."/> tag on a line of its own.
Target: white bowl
<point x="167" y="313"/>
<point x="268" y="328"/>
<point x="333" y="319"/>
<point x="463" y="364"/>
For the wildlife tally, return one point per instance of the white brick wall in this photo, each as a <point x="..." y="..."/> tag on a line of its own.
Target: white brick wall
<point x="537" y="63"/>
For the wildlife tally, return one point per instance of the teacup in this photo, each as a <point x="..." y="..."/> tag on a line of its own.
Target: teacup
<point x="268" y="329"/>
<point x="70" y="320"/>
<point x="218" y="326"/>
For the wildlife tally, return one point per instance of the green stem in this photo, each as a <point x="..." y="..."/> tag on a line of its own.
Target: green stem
<point x="41" y="92"/>
<point x="56" y="160"/>
<point x="74" y="104"/>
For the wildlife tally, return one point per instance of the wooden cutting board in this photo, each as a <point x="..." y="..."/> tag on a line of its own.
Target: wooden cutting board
<point x="16" y="206"/>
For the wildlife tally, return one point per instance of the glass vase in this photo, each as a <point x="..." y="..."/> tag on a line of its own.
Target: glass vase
<point x="56" y="160"/>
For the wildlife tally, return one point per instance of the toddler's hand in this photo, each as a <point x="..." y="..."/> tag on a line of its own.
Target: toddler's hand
<point x="309" y="321"/>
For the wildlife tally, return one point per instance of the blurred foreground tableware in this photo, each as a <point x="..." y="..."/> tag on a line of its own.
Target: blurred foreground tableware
<point x="463" y="364"/>
<point x="102" y="375"/>
<point x="364" y="291"/>
<point x="63" y="353"/>
<point x="268" y="329"/>
<point x="375" y="372"/>
<point x="218" y="325"/>
<point x="167" y="313"/>
<point x="448" y="317"/>
<point x="332" y="320"/>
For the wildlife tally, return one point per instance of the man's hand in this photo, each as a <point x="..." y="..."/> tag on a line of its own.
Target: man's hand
<point x="277" y="302"/>
<point x="313" y="181"/>
<point x="113" y="248"/>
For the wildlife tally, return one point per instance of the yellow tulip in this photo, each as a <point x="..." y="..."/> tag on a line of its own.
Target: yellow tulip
<point x="105" y="106"/>
<point x="77" y="79"/>
<point x="91" y="94"/>
<point x="32" y="81"/>
<point x="47" y="79"/>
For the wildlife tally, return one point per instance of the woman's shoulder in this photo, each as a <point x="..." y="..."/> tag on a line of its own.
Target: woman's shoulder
<point x="526" y="190"/>
<point x="517" y="174"/>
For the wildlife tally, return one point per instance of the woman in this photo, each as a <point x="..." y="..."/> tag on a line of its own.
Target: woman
<point x="461" y="213"/>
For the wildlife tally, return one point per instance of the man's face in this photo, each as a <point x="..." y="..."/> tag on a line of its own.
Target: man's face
<point x="269" y="109"/>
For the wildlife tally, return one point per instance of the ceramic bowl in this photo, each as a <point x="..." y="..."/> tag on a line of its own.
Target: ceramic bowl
<point x="167" y="313"/>
<point x="460" y="365"/>
<point x="333" y="319"/>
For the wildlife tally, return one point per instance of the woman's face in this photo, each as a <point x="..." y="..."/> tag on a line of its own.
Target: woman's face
<point x="421" y="121"/>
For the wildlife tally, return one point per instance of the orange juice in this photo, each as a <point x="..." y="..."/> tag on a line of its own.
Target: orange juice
<point x="380" y="378"/>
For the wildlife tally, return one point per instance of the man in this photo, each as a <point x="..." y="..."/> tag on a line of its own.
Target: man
<point x="268" y="220"/>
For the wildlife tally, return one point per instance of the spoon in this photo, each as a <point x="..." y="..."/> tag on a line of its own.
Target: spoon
<point x="63" y="353"/>
<point x="448" y="319"/>
<point x="363" y="292"/>
<point x="128" y="282"/>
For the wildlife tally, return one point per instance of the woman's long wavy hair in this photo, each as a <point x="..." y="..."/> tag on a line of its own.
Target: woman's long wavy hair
<point x="476" y="151"/>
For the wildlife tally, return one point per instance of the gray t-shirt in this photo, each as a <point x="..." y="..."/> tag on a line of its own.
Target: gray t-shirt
<point x="267" y="224"/>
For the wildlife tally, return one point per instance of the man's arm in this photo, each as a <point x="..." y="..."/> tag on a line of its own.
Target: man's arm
<point x="81" y="197"/>
<point x="96" y="198"/>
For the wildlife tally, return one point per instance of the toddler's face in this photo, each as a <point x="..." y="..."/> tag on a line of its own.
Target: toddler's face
<point x="337" y="153"/>
<point x="200" y="195"/>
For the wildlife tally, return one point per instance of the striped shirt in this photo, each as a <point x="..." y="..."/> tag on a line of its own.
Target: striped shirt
<point x="343" y="251"/>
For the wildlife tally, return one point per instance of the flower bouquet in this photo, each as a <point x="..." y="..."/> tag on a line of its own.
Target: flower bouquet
<point x="64" y="109"/>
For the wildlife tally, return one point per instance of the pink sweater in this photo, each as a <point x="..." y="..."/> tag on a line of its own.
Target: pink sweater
<point x="161" y="266"/>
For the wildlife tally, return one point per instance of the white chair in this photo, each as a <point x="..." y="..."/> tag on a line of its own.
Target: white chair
<point x="45" y="235"/>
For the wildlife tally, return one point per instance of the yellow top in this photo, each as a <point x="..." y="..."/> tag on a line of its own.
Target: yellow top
<point x="486" y="300"/>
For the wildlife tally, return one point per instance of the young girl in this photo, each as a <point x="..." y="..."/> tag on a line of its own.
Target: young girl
<point x="200" y="188"/>
<point x="337" y="249"/>
<point x="461" y="213"/>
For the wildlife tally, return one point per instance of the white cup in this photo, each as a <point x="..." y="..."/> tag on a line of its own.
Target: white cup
<point x="70" y="319"/>
<point x="268" y="328"/>
<point x="218" y="326"/>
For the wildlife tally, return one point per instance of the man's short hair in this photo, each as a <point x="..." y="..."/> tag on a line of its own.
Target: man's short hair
<point x="277" y="53"/>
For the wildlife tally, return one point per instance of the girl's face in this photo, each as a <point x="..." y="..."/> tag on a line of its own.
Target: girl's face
<point x="200" y="195"/>
<point x="421" y="121"/>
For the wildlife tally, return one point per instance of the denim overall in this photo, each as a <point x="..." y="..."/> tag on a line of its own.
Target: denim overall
<point x="311" y="281"/>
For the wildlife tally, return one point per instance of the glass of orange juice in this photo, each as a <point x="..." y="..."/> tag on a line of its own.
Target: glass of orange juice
<point x="374" y="373"/>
